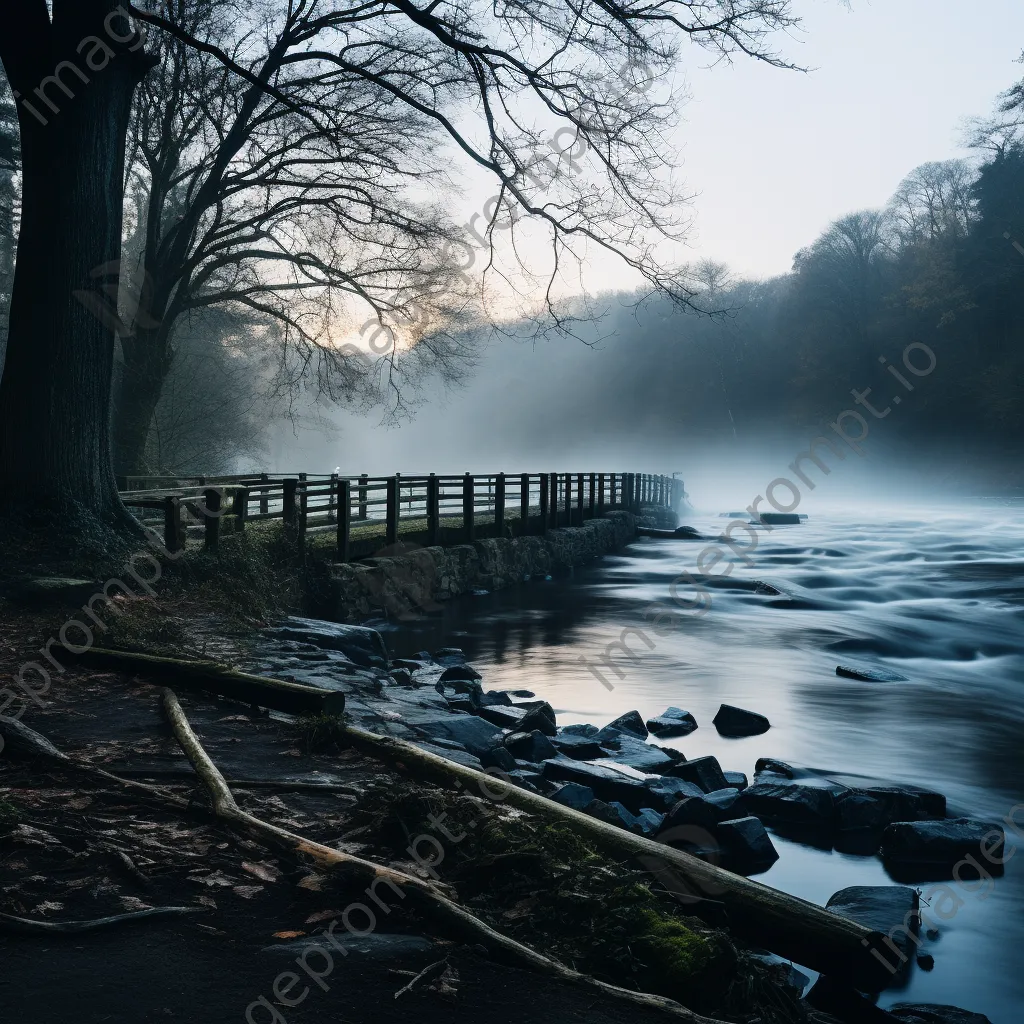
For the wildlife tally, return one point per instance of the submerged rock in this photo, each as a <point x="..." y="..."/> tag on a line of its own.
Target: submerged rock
<point x="942" y="844"/>
<point x="871" y="675"/>
<point x="672" y="722"/>
<point x="732" y="721"/>
<point x="889" y="909"/>
<point x="780" y="518"/>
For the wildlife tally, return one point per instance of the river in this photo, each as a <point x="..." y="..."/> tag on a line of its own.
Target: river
<point x="934" y="594"/>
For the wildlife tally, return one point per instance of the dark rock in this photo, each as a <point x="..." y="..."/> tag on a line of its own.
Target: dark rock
<point x="792" y="803"/>
<point x="780" y="518"/>
<point x="495" y="698"/>
<point x="470" y="687"/>
<point x="473" y="733"/>
<point x="672" y="722"/>
<point x="642" y="756"/>
<point x="932" y="1013"/>
<point x="706" y="810"/>
<point x="704" y="772"/>
<point x="732" y="721"/>
<point x="521" y="693"/>
<point x="870" y="675"/>
<point x="630" y="723"/>
<point x="689" y="532"/>
<point x="607" y="783"/>
<point x="573" y="795"/>
<point x="858" y="811"/>
<point x="363" y="645"/>
<point x="408" y="663"/>
<point x="462" y="703"/>
<point x="605" y="812"/>
<point x="457" y="754"/>
<point x="769" y="764"/>
<point x="459" y="672"/>
<point x="581" y="729"/>
<point x="529" y="766"/>
<point x="498" y="757"/>
<point x="943" y="843"/>
<point x="646" y="823"/>
<point x="520" y="719"/>
<point x="583" y="748"/>
<point x="899" y="802"/>
<point x="746" y="845"/>
<point x="401" y="676"/>
<point x="889" y="909"/>
<point x="668" y="791"/>
<point x="926" y="961"/>
<point x="532" y="746"/>
<point x="525" y="779"/>
<point x="449" y="656"/>
<point x="736" y="779"/>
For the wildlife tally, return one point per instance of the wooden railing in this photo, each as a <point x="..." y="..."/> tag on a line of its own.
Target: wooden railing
<point x="360" y="514"/>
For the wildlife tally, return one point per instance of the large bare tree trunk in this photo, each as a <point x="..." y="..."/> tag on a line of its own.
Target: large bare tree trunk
<point x="142" y="379"/>
<point x="55" y="391"/>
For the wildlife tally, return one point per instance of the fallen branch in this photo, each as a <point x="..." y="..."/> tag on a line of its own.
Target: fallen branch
<point x="789" y="926"/>
<point x="216" y="677"/>
<point x="428" y="973"/>
<point x="27" y="926"/>
<point x="428" y="897"/>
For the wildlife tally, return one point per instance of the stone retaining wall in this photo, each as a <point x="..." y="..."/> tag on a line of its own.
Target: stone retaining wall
<point x="414" y="581"/>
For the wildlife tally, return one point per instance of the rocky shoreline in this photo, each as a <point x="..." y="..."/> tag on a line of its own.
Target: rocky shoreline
<point x="624" y="773"/>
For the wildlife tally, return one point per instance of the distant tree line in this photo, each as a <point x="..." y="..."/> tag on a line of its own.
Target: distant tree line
<point x="939" y="264"/>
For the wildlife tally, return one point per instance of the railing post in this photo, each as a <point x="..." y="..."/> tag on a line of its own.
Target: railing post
<point x="469" y="506"/>
<point x="288" y="499"/>
<point x="362" y="495"/>
<point x="433" y="509"/>
<point x="173" y="540"/>
<point x="554" y="499"/>
<point x="544" y="494"/>
<point x="593" y="495"/>
<point x="567" y="486"/>
<point x="524" y="503"/>
<point x="611" y="496"/>
<point x="211" y="503"/>
<point x="600" y="494"/>
<point x="344" y="519"/>
<point x="499" y="506"/>
<point x="391" y="524"/>
<point x="303" y="503"/>
<point x="240" y="508"/>
<point x="332" y="497"/>
<point x="264" y="500"/>
<point x="580" y="479"/>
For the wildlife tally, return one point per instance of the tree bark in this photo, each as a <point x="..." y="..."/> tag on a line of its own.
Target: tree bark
<point x="55" y="390"/>
<point x="142" y="379"/>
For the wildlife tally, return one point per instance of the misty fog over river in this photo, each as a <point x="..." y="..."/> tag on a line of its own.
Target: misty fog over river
<point x="935" y="594"/>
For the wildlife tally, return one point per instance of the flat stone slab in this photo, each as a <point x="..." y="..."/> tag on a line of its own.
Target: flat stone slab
<point x="791" y="803"/>
<point x="582" y="748"/>
<point x="889" y="909"/>
<point x="933" y="1013"/>
<point x="469" y="731"/>
<point x="943" y="843"/>
<point x="607" y="783"/>
<point x="870" y="675"/>
<point x="703" y="772"/>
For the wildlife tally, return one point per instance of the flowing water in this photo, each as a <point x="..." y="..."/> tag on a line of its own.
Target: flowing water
<point x="936" y="595"/>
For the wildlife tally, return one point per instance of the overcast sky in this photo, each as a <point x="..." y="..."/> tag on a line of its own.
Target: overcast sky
<point x="776" y="155"/>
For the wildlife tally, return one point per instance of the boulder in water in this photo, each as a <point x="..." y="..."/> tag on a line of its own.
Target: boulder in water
<point x="630" y="723"/>
<point x="780" y="518"/>
<point x="459" y="672"/>
<point x="792" y="803"/>
<point x="607" y="783"/>
<point x="582" y="748"/>
<point x="943" y="844"/>
<point x="889" y="909"/>
<point x="732" y="721"/>
<point x="706" y="810"/>
<point x="736" y="779"/>
<point x="870" y="675"/>
<point x="746" y="846"/>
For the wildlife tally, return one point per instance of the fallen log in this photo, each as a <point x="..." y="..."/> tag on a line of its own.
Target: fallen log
<point x="786" y="925"/>
<point x="427" y="896"/>
<point x="216" y="677"/>
<point x="28" y="926"/>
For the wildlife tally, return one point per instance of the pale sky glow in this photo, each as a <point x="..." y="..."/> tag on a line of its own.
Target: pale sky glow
<point x="773" y="156"/>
